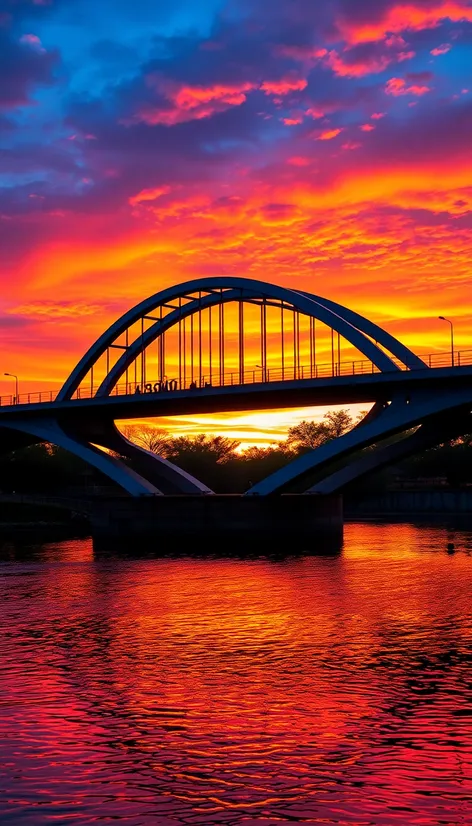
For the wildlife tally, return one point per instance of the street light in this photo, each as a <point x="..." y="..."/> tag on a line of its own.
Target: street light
<point x="12" y="375"/>
<point x="442" y="318"/>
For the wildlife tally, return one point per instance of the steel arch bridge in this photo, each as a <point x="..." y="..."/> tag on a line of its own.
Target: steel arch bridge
<point x="225" y="343"/>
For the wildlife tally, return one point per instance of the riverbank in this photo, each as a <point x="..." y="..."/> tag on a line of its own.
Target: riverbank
<point x="407" y="503"/>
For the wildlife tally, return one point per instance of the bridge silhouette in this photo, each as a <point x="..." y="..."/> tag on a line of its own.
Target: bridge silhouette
<point x="191" y="349"/>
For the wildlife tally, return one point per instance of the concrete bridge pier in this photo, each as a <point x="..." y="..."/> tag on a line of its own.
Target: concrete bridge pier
<point x="219" y="523"/>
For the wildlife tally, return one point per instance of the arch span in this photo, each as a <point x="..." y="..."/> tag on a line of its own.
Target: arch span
<point x="204" y="293"/>
<point x="436" y="430"/>
<point x="401" y="415"/>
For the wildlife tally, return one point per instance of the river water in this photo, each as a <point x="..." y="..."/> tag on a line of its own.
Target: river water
<point x="329" y="689"/>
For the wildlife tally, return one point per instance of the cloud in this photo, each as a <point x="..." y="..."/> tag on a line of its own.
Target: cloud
<point x="368" y="58"/>
<point x="329" y="134"/>
<point x="363" y="23"/>
<point x="398" y="86"/>
<point x="187" y="102"/>
<point x="54" y="310"/>
<point x="283" y="86"/>
<point x="443" y="49"/>
<point x="149" y="195"/>
<point x="24" y="66"/>
<point x="33" y="41"/>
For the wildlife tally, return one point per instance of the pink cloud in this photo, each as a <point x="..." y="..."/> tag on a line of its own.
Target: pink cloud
<point x="189" y="102"/>
<point x="283" y="86"/>
<point x="298" y="160"/>
<point x="301" y="53"/>
<point x="148" y="195"/>
<point x="197" y="102"/>
<point x="192" y="97"/>
<point x="33" y="41"/>
<point x="359" y="68"/>
<point x="406" y="15"/>
<point x="314" y="113"/>
<point x="378" y="115"/>
<point x="397" y="86"/>
<point x="443" y="49"/>
<point x="367" y="127"/>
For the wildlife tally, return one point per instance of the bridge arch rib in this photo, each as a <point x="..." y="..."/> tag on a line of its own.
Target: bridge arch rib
<point x="204" y="293"/>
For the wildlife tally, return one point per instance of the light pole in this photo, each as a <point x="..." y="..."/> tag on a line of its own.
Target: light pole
<point x="442" y="318"/>
<point x="16" y="384"/>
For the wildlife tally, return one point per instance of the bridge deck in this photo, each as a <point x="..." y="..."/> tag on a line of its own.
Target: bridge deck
<point x="345" y="389"/>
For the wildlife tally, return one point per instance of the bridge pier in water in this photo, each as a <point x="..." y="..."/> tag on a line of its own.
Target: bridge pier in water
<point x="200" y="524"/>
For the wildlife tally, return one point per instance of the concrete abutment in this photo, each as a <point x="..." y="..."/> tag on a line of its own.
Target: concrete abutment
<point x="198" y="523"/>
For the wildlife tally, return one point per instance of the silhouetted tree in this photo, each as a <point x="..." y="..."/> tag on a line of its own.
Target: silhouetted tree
<point x="151" y="438"/>
<point x="310" y="435"/>
<point x="338" y="422"/>
<point x="219" y="448"/>
<point x="307" y="436"/>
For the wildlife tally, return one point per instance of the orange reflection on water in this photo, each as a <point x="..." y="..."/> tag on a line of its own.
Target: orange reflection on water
<point x="329" y="688"/>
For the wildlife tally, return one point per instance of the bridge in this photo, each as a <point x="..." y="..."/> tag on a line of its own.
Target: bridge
<point x="232" y="344"/>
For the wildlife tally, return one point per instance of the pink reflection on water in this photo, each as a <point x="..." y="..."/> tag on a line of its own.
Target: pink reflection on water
<point x="320" y="689"/>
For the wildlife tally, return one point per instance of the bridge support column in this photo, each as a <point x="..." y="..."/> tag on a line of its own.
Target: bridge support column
<point x="402" y="414"/>
<point x="284" y="525"/>
<point x="49" y="430"/>
<point x="169" y="478"/>
<point x="383" y="455"/>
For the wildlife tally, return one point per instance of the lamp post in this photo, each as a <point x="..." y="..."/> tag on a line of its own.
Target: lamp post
<point x="12" y="375"/>
<point x="442" y="318"/>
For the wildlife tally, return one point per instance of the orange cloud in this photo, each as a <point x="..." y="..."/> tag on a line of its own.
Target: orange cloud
<point x="329" y="134"/>
<point x="292" y="121"/>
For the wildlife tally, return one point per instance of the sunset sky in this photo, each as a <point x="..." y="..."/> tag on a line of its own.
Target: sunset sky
<point x="321" y="145"/>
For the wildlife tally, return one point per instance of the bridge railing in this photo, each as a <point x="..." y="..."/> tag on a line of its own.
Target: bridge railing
<point x="257" y="375"/>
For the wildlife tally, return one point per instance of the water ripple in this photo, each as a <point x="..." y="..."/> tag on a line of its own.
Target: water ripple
<point x="323" y="690"/>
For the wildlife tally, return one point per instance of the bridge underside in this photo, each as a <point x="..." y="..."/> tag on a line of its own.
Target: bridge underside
<point x="420" y="420"/>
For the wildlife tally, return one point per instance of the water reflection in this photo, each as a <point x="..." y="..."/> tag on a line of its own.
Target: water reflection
<point x="332" y="689"/>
